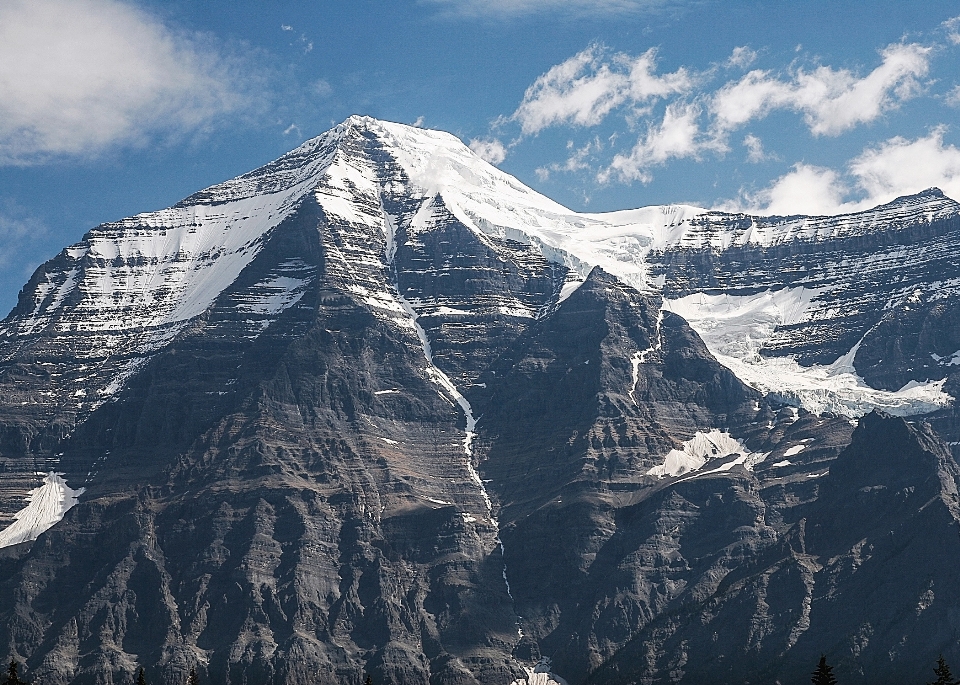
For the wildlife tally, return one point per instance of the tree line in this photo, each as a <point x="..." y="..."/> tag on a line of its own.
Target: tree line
<point x="823" y="675"/>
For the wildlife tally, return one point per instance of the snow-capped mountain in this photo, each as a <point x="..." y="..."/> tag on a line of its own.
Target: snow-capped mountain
<point x="379" y="407"/>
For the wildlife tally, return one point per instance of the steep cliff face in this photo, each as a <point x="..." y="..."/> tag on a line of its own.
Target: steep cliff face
<point x="843" y="580"/>
<point x="379" y="408"/>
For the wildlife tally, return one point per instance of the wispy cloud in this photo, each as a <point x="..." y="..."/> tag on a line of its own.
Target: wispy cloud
<point x="755" y="151"/>
<point x="952" y="28"/>
<point x="20" y="233"/>
<point x="584" y="89"/>
<point x="742" y="57"/>
<point x="78" y="77"/>
<point x="514" y="8"/>
<point x="579" y="159"/>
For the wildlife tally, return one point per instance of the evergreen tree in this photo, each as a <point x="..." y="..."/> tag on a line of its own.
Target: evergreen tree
<point x="141" y="677"/>
<point x="13" y="675"/>
<point x="824" y="673"/>
<point x="193" y="680"/>
<point x="944" y="676"/>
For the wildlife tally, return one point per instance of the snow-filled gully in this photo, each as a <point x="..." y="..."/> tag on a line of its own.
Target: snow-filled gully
<point x="443" y="380"/>
<point x="641" y="357"/>
<point x="540" y="674"/>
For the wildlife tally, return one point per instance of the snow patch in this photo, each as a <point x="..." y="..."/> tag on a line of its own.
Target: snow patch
<point x="952" y="360"/>
<point x="796" y="449"/>
<point x="785" y="462"/>
<point x="540" y="675"/>
<point x="704" y="447"/>
<point x="47" y="505"/>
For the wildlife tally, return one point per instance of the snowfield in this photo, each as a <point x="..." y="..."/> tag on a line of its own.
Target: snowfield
<point x="47" y="505"/>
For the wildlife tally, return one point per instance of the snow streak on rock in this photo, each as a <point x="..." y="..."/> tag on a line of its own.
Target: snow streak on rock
<point x="47" y="505"/>
<point x="640" y="357"/>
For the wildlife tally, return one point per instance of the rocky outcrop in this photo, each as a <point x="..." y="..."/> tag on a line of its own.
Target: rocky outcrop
<point x="841" y="580"/>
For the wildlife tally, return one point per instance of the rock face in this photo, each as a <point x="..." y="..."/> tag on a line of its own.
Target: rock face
<point x="378" y="408"/>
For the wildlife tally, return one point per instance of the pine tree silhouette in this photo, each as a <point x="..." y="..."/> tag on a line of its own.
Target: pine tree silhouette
<point x="944" y="676"/>
<point x="141" y="677"/>
<point x="192" y="679"/>
<point x="824" y="673"/>
<point x="13" y="675"/>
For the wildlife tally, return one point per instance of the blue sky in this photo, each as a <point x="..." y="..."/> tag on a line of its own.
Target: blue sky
<point x="113" y="107"/>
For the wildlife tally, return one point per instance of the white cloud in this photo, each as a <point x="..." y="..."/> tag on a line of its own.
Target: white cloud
<point x="80" y="76"/>
<point x="806" y="189"/>
<point x="953" y="97"/>
<point x="878" y="175"/>
<point x="755" y="151"/>
<point x="832" y="100"/>
<point x="676" y="137"/>
<point x="490" y="150"/>
<point x="952" y="27"/>
<point x="515" y="8"/>
<point x="742" y="57"/>
<point x="901" y="167"/>
<point x="585" y="88"/>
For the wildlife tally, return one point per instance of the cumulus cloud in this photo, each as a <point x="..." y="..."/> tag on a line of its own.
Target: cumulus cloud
<point x="806" y="189"/>
<point x="901" y="167"/>
<point x="585" y="88"/>
<point x="677" y="136"/>
<point x="489" y="149"/>
<point x="80" y="76"/>
<point x="831" y="100"/>
<point x="877" y="175"/>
